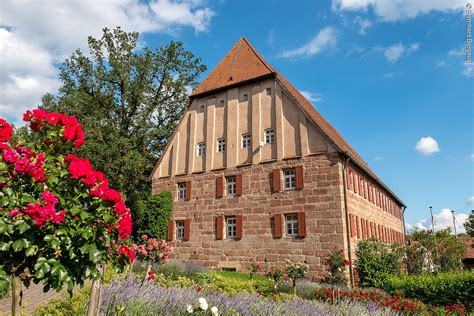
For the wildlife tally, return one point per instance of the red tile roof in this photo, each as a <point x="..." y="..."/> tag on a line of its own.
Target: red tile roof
<point x="243" y="64"/>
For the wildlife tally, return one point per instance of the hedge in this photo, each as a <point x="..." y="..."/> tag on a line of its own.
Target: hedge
<point x="442" y="288"/>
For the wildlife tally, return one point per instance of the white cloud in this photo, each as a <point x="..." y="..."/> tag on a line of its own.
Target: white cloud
<point x="456" y="52"/>
<point x="396" y="51"/>
<point x="470" y="157"/>
<point x="427" y="146"/>
<point x="312" y="97"/>
<point x="470" y="200"/>
<point x="395" y="10"/>
<point x="442" y="220"/>
<point x="325" y="39"/>
<point x="36" y="36"/>
<point x="392" y="74"/>
<point x="271" y="37"/>
<point x="364" y="24"/>
<point x="467" y="70"/>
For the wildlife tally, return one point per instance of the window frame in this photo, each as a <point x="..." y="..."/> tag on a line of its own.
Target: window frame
<point x="182" y="191"/>
<point x="269" y="91"/>
<point x="246" y="140"/>
<point x="221" y="103"/>
<point x="291" y="225"/>
<point x="180" y="230"/>
<point x="231" y="227"/>
<point x="269" y="134"/>
<point x="290" y="175"/>
<point x="245" y="97"/>
<point x="201" y="149"/>
<point x="221" y="145"/>
<point x="231" y="182"/>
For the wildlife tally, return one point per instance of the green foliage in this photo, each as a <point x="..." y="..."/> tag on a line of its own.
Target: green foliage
<point x="233" y="286"/>
<point x="469" y="224"/>
<point x="274" y="274"/>
<point x="376" y="261"/>
<point x="446" y="251"/>
<point x="129" y="99"/>
<point x="153" y="214"/>
<point x="337" y="263"/>
<point x="296" y="271"/>
<point x="66" y="305"/>
<point x="440" y="288"/>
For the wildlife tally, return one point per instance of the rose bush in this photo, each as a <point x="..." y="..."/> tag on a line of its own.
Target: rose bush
<point x="59" y="218"/>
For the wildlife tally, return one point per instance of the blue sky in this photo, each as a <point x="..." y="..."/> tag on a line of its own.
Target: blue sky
<point x="388" y="75"/>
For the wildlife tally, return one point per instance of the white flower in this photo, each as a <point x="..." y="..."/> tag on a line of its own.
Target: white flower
<point x="214" y="311"/>
<point x="189" y="308"/>
<point x="203" y="303"/>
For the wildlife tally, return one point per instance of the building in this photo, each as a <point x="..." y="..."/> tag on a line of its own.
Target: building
<point x="258" y="175"/>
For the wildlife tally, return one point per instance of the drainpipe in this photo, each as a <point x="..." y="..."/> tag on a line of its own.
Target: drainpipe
<point x="403" y="223"/>
<point x="348" y="233"/>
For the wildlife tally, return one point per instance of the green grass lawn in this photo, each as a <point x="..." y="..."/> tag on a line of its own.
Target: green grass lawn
<point x="238" y="275"/>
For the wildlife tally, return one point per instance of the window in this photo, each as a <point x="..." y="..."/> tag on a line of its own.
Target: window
<point x="245" y="97"/>
<point x="180" y="230"/>
<point x="231" y="185"/>
<point x="181" y="191"/>
<point x="221" y="103"/>
<point x="269" y="136"/>
<point x="290" y="179"/>
<point x="201" y="149"/>
<point x="291" y="225"/>
<point x="269" y="91"/>
<point x="246" y="141"/>
<point x="220" y="145"/>
<point x="201" y="108"/>
<point x="231" y="227"/>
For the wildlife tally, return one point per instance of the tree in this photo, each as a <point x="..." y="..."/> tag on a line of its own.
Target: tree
<point x="129" y="99"/>
<point x="469" y="224"/>
<point x="153" y="214"/>
<point x="59" y="218"/>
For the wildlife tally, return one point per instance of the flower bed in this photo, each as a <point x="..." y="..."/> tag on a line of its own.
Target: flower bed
<point x="132" y="298"/>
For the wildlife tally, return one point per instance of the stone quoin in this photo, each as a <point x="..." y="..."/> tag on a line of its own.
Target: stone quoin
<point x="258" y="175"/>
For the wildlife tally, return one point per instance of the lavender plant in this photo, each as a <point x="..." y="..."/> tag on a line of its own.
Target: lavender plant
<point x="133" y="298"/>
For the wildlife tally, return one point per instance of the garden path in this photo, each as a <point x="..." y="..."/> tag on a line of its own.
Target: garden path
<point x="32" y="297"/>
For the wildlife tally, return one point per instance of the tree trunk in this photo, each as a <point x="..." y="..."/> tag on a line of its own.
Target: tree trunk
<point x="94" y="298"/>
<point x="148" y="269"/>
<point x="17" y="295"/>
<point x="101" y="289"/>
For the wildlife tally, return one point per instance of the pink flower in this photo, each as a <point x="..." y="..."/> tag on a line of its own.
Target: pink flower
<point x="10" y="155"/>
<point x="13" y="212"/>
<point x="49" y="198"/>
<point x="5" y="131"/>
<point x="59" y="217"/>
<point x="145" y="236"/>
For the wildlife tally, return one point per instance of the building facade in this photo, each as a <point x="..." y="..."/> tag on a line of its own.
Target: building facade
<point x="258" y="175"/>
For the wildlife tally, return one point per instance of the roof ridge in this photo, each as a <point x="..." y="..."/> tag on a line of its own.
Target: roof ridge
<point x="264" y="61"/>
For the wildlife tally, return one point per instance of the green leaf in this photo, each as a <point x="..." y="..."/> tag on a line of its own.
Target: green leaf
<point x="94" y="254"/>
<point x="26" y="198"/>
<point x="3" y="227"/>
<point x="22" y="226"/>
<point x="18" y="244"/>
<point x="8" y="191"/>
<point x="4" y="246"/>
<point x="31" y="251"/>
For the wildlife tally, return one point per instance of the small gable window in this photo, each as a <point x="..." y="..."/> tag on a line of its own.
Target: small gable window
<point x="246" y="142"/>
<point x="201" y="149"/>
<point x="245" y="97"/>
<point x="220" y="145"/>
<point x="269" y="91"/>
<point x="269" y="136"/>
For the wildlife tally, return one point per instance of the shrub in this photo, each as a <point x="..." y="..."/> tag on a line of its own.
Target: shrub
<point x="445" y="288"/>
<point x="66" y="305"/>
<point x="296" y="271"/>
<point x="174" y="269"/>
<point x="446" y="250"/>
<point x="376" y="261"/>
<point x="153" y="214"/>
<point x="337" y="264"/>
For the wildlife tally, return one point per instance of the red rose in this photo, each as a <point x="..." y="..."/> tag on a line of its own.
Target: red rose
<point x="5" y="131"/>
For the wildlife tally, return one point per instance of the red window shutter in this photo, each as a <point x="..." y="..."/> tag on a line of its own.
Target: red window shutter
<point x="219" y="187"/>
<point x="299" y="177"/>
<point x="220" y="227"/>
<point x="358" y="226"/>
<point x="187" y="228"/>
<point x="238" y="184"/>
<point x="348" y="178"/>
<point x="170" y="230"/>
<point x="351" y="219"/>
<point x="276" y="180"/>
<point x="356" y="183"/>
<point x="301" y="224"/>
<point x="238" y="220"/>
<point x="187" y="193"/>
<point x="278" y="225"/>
<point x="362" y="225"/>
